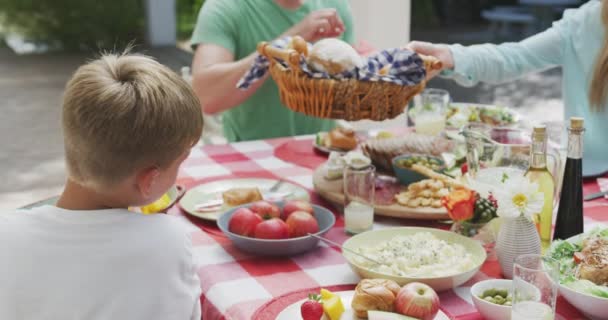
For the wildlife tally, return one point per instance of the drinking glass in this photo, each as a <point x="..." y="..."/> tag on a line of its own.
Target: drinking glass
<point x="430" y="111"/>
<point x="535" y="280"/>
<point x="359" y="188"/>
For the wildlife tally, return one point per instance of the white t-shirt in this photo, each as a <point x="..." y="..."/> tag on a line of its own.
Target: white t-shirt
<point x="60" y="264"/>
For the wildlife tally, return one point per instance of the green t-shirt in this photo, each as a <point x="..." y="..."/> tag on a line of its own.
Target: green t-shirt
<point x="239" y="25"/>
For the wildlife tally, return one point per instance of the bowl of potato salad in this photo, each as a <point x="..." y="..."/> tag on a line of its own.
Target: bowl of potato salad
<point x="441" y="259"/>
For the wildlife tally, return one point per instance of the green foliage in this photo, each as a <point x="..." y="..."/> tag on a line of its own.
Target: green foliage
<point x="76" y="24"/>
<point x="187" y="12"/>
<point x="424" y="14"/>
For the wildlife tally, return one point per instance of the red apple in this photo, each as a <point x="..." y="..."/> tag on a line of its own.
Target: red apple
<point x="296" y="205"/>
<point x="265" y="209"/>
<point x="417" y="300"/>
<point x="243" y="222"/>
<point x="274" y="228"/>
<point x="301" y="223"/>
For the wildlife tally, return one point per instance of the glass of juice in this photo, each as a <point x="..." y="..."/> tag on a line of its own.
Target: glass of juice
<point x="359" y="188"/>
<point x="535" y="286"/>
<point x="430" y="111"/>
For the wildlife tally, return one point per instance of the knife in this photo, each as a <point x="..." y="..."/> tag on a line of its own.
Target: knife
<point x="595" y="195"/>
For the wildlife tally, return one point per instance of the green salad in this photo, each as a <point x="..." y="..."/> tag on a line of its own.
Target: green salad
<point x="564" y="252"/>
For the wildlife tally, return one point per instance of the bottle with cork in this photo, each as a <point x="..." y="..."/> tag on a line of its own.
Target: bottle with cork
<point x="538" y="172"/>
<point x="569" y="221"/>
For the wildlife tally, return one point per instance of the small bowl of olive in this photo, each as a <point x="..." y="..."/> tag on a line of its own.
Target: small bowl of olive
<point x="493" y="298"/>
<point x="402" y="166"/>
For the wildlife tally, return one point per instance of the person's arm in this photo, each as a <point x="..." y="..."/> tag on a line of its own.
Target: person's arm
<point x="215" y="71"/>
<point x="345" y="12"/>
<point x="214" y="78"/>
<point x="496" y="63"/>
<point x="500" y="63"/>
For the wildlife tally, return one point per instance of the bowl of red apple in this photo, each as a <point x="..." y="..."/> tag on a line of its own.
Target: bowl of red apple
<point x="276" y="228"/>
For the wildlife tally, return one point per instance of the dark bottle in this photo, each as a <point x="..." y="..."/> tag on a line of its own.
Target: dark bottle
<point x="569" y="220"/>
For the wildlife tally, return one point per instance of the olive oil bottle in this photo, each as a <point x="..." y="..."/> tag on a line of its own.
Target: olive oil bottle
<point x="538" y="172"/>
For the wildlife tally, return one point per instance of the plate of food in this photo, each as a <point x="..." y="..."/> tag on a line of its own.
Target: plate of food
<point x="583" y="278"/>
<point x="460" y="114"/>
<point x="418" y="200"/>
<point x="373" y="299"/>
<point x="209" y="200"/>
<point x="341" y="140"/>
<point x="441" y="259"/>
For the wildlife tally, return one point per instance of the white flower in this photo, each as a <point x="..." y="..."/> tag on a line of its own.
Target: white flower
<point x="518" y="196"/>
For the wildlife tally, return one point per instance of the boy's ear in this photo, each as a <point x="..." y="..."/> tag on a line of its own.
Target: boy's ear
<point x="145" y="180"/>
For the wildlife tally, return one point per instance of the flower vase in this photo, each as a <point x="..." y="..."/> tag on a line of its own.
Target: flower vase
<point x="517" y="236"/>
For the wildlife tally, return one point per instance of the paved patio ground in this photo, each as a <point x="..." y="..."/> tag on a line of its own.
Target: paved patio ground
<point x="31" y="156"/>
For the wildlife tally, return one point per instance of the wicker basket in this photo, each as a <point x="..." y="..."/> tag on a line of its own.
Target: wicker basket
<point x="349" y="100"/>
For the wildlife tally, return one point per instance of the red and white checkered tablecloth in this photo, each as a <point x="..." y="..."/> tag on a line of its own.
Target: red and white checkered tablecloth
<point x="241" y="286"/>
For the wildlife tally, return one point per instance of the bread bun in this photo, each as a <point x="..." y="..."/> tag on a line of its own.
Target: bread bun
<point x="374" y="294"/>
<point x="333" y="56"/>
<point x="298" y="44"/>
<point x="341" y="138"/>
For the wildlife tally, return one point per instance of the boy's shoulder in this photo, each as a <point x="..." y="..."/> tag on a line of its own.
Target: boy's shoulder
<point x="117" y="220"/>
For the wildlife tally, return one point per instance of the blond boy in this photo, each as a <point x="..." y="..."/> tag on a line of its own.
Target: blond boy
<point x="128" y="123"/>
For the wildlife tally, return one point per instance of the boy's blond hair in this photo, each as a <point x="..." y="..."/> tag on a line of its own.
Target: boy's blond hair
<point x="123" y="112"/>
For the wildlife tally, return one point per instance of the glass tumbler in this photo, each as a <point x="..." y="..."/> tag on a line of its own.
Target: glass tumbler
<point x="359" y="189"/>
<point x="535" y="286"/>
<point x="430" y="111"/>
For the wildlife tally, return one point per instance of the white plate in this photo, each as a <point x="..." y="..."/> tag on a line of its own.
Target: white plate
<point x="213" y="190"/>
<point x="292" y="312"/>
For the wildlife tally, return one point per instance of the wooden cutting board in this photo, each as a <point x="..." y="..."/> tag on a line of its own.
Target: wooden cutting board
<point x="331" y="190"/>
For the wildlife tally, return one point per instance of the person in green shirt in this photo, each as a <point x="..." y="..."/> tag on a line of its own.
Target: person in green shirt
<point x="225" y="39"/>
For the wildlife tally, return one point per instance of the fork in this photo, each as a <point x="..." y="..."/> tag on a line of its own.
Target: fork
<point x="276" y="186"/>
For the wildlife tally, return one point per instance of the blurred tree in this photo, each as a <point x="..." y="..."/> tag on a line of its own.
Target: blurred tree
<point x="187" y="12"/>
<point x="76" y="24"/>
<point x="424" y="14"/>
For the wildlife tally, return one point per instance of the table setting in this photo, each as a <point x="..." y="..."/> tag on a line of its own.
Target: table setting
<point x="448" y="218"/>
<point x="239" y="284"/>
<point x="472" y="212"/>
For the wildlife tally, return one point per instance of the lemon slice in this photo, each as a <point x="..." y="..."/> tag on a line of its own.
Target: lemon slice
<point x="157" y="205"/>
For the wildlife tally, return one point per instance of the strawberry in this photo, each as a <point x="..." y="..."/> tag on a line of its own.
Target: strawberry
<point x="464" y="169"/>
<point x="312" y="308"/>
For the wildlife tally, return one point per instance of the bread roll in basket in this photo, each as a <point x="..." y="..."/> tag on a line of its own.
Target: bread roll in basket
<point x="347" y="99"/>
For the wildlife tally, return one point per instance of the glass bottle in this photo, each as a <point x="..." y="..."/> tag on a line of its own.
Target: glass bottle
<point x="538" y="172"/>
<point x="569" y="221"/>
<point x="359" y="189"/>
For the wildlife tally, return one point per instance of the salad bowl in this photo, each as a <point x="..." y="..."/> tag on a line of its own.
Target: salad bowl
<point x="589" y="298"/>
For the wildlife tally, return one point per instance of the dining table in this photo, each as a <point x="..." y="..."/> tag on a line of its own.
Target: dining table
<point x="238" y="285"/>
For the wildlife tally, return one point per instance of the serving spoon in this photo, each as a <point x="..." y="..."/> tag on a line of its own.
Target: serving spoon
<point x="335" y="244"/>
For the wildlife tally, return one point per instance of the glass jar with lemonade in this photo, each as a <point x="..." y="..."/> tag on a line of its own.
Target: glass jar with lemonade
<point x="429" y="114"/>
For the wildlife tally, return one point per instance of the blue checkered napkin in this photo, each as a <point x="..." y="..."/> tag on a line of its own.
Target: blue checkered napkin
<point x="406" y="68"/>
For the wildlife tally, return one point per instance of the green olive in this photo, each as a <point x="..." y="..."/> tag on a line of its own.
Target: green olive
<point x="502" y="292"/>
<point x="489" y="292"/>
<point x="489" y="299"/>
<point x="499" y="299"/>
